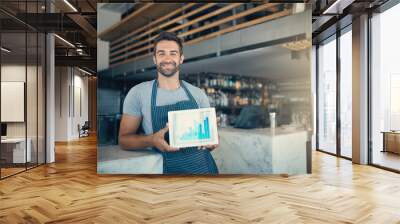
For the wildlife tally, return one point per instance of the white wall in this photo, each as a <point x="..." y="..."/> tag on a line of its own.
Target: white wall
<point x="14" y="72"/>
<point x="68" y="81"/>
<point x="33" y="126"/>
<point x="105" y="19"/>
<point x="81" y="83"/>
<point x="61" y="103"/>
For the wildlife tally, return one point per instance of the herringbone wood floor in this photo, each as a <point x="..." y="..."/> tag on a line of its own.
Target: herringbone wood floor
<point x="70" y="191"/>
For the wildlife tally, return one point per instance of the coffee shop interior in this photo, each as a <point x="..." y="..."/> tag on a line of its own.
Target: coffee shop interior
<point x="314" y="102"/>
<point x="249" y="74"/>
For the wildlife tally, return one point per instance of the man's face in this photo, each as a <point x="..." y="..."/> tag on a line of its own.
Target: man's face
<point x="167" y="58"/>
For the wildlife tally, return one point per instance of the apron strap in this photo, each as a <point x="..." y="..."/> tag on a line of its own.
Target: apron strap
<point x="154" y="94"/>
<point x="191" y="98"/>
<point x="153" y="104"/>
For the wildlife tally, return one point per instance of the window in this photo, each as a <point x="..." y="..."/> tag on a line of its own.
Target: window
<point x="346" y="92"/>
<point x="385" y="85"/>
<point x="327" y="96"/>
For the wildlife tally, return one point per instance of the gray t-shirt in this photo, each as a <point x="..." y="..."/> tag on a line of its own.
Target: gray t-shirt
<point x="138" y="100"/>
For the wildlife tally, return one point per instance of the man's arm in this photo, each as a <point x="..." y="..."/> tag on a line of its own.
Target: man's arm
<point x="129" y="139"/>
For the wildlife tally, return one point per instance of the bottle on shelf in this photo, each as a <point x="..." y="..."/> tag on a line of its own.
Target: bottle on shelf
<point x="229" y="93"/>
<point x="237" y="84"/>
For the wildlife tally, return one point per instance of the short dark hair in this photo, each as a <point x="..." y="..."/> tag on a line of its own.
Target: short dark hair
<point x="168" y="36"/>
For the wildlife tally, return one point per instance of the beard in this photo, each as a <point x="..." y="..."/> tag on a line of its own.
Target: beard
<point x="167" y="72"/>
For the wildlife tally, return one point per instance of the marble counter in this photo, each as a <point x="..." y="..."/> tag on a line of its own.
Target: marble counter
<point x="261" y="151"/>
<point x="114" y="160"/>
<point x="241" y="151"/>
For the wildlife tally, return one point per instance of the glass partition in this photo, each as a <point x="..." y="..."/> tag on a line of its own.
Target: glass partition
<point x="22" y="90"/>
<point x="13" y="104"/>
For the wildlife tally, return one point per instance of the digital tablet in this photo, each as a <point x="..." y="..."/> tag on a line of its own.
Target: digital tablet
<point x="196" y="127"/>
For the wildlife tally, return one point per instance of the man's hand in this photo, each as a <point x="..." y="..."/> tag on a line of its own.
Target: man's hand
<point x="160" y="143"/>
<point x="210" y="147"/>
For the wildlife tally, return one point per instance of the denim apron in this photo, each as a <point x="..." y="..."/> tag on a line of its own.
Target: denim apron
<point x="190" y="160"/>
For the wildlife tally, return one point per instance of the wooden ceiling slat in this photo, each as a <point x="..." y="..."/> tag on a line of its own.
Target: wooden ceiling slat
<point x="150" y="25"/>
<point x="199" y="29"/>
<point x="221" y="32"/>
<point x="136" y="13"/>
<point x="164" y="25"/>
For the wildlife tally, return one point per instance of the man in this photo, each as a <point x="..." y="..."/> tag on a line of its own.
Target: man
<point x="148" y="103"/>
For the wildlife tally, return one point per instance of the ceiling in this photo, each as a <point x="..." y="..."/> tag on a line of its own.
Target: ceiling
<point x="39" y="6"/>
<point x="330" y="15"/>
<point x="76" y="24"/>
<point x="16" y="42"/>
<point x="119" y="8"/>
<point x="262" y="63"/>
<point x="139" y="16"/>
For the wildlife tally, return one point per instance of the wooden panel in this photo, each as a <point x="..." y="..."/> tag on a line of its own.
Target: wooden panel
<point x="147" y="27"/>
<point x="199" y="29"/>
<point x="161" y="27"/>
<point x="229" y="18"/>
<point x="242" y="26"/>
<point x="226" y="30"/>
<point x="201" y="18"/>
<point x="126" y="19"/>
